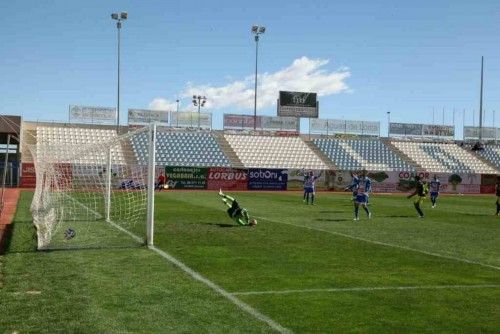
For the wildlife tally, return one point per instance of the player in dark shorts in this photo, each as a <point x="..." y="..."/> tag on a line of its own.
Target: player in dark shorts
<point x="361" y="198"/>
<point x="238" y="214"/>
<point x="420" y="192"/>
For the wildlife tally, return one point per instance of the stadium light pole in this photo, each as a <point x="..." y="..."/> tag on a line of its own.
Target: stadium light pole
<point x="257" y="30"/>
<point x="388" y="122"/>
<point x="199" y="101"/>
<point x="119" y="17"/>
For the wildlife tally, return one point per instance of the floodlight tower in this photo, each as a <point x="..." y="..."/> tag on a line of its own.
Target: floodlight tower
<point x="119" y="17"/>
<point x="257" y="30"/>
<point x="199" y="101"/>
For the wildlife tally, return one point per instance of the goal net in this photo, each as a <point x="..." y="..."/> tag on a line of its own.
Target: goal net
<point x="91" y="188"/>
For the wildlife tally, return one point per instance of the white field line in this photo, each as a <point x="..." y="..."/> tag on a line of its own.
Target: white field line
<point x="242" y="305"/>
<point x="197" y="276"/>
<point x="97" y="214"/>
<point x="369" y="289"/>
<point x="386" y="244"/>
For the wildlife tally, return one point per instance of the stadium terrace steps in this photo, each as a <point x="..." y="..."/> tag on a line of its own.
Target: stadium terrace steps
<point x="444" y="157"/>
<point x="182" y="148"/>
<point x="70" y="140"/>
<point x="356" y="154"/>
<point x="398" y="152"/>
<point x="274" y="152"/>
<point x="321" y="155"/>
<point x="28" y="140"/>
<point x="490" y="155"/>
<point x="228" y="151"/>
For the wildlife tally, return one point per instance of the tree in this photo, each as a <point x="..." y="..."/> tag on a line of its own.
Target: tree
<point x="455" y="180"/>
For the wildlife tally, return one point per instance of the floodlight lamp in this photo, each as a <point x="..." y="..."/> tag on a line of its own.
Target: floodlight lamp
<point x="114" y="16"/>
<point x="262" y="30"/>
<point x="255" y="29"/>
<point x="123" y="15"/>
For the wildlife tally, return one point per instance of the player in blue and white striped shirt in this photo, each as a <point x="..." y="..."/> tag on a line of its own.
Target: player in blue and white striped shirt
<point x="434" y="187"/>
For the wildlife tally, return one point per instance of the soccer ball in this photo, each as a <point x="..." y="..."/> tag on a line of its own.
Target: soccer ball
<point x="165" y="186"/>
<point x="253" y="222"/>
<point x="69" y="234"/>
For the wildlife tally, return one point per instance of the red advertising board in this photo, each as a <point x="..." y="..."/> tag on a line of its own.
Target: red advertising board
<point x="27" y="182"/>
<point x="227" y="179"/>
<point x="28" y="175"/>
<point x="28" y="169"/>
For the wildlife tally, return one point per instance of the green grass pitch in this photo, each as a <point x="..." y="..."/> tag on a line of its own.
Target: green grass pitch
<point x="307" y="268"/>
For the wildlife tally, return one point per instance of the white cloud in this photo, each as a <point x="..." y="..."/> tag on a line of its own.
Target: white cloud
<point x="304" y="74"/>
<point x="160" y="103"/>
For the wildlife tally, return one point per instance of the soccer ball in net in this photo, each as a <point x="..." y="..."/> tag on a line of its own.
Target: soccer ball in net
<point x="69" y="234"/>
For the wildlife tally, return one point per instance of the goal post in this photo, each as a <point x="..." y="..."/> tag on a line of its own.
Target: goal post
<point x="92" y="186"/>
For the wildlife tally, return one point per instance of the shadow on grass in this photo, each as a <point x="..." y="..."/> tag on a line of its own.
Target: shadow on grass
<point x="223" y="225"/>
<point x="400" y="216"/>
<point x="333" y="220"/>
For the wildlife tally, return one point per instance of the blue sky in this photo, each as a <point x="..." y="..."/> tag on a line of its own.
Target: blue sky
<point x="364" y="57"/>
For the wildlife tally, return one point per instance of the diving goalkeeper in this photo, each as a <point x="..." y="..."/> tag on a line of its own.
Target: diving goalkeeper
<point x="237" y="213"/>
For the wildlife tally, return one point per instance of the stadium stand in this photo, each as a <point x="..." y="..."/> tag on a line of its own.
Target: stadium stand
<point x="274" y="152"/>
<point x="196" y="149"/>
<point x="355" y="154"/>
<point x="443" y="157"/>
<point x="71" y="140"/>
<point x="492" y="154"/>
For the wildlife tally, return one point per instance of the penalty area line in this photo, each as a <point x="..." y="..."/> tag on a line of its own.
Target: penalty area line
<point x="386" y="244"/>
<point x="242" y="305"/>
<point x="197" y="276"/>
<point x="369" y="289"/>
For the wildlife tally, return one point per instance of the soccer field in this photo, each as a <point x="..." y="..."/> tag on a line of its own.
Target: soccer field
<point x="302" y="269"/>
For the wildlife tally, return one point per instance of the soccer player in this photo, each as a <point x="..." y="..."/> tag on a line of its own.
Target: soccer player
<point x="306" y="177"/>
<point x="235" y="212"/>
<point x="420" y="193"/>
<point x="309" y="187"/>
<point x="361" y="198"/>
<point x="354" y="186"/>
<point x="161" y="181"/>
<point x="367" y="183"/>
<point x="434" y="187"/>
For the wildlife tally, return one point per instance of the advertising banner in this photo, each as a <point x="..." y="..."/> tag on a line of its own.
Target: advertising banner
<point x="488" y="133"/>
<point x="405" y="129"/>
<point x="186" y="177"/>
<point x="441" y="131"/>
<point x="270" y="123"/>
<point x="298" y="104"/>
<point x="187" y="119"/>
<point x="240" y="122"/>
<point x="28" y="169"/>
<point x="334" y="126"/>
<point x="28" y="175"/>
<point x="92" y="115"/>
<point x="144" y="116"/>
<point x="488" y="182"/>
<point x="267" y="179"/>
<point x="394" y="182"/>
<point x="227" y="179"/>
